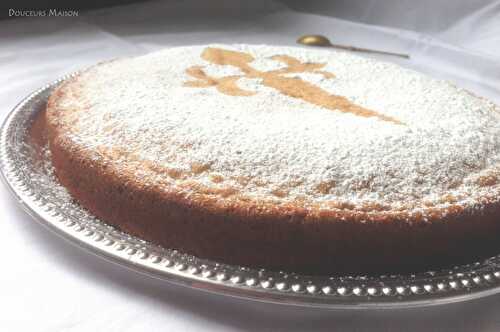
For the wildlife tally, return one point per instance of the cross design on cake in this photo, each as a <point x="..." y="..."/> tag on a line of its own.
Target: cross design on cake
<point x="290" y="86"/>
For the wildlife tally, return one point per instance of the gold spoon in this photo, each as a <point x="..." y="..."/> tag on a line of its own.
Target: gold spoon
<point x="319" y="40"/>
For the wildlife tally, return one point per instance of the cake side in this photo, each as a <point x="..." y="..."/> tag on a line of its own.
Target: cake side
<point x="290" y="238"/>
<point x="286" y="238"/>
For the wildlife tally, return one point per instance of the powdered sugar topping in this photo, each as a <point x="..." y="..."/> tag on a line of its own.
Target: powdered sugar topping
<point x="270" y="144"/>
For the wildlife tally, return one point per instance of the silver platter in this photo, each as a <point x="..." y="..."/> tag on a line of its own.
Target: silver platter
<point x="30" y="180"/>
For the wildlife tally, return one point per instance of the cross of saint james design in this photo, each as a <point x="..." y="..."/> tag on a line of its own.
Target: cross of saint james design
<point x="290" y="86"/>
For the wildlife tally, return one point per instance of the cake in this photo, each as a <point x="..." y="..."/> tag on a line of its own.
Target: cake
<point x="282" y="158"/>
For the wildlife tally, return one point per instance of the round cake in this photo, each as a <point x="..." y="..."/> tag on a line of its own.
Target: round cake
<point x="283" y="158"/>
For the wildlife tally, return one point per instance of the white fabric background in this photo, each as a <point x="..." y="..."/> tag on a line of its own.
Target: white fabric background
<point x="47" y="284"/>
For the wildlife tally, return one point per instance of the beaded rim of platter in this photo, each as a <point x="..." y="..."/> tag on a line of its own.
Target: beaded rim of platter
<point x="39" y="194"/>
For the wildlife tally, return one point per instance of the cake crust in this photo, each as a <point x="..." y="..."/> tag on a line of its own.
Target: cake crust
<point x="295" y="235"/>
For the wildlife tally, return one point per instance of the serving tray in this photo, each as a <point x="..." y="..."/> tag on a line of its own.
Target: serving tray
<point x="26" y="169"/>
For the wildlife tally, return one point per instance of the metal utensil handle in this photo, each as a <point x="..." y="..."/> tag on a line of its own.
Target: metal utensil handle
<point x="367" y="50"/>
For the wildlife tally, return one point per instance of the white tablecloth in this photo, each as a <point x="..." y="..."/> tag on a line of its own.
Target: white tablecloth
<point x="47" y="284"/>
